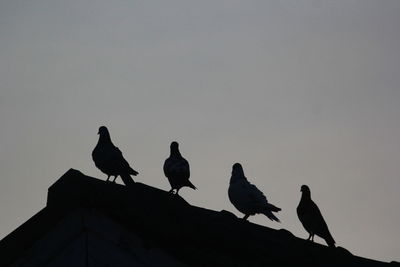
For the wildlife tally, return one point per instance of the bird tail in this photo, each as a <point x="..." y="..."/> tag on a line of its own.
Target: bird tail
<point x="191" y="185"/>
<point x="133" y="172"/>
<point x="268" y="212"/>
<point x="271" y="216"/>
<point x="127" y="179"/>
<point x="273" y="208"/>
<point x="330" y="241"/>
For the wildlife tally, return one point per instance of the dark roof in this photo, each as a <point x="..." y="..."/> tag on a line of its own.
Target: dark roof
<point x="194" y="236"/>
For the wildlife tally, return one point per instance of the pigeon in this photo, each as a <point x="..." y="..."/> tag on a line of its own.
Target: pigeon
<point x="311" y="218"/>
<point x="108" y="158"/>
<point x="176" y="169"/>
<point x="247" y="198"/>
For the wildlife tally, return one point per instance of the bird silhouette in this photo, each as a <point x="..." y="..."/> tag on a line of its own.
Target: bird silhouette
<point x="311" y="218"/>
<point x="176" y="169"/>
<point x="247" y="198"/>
<point x="108" y="158"/>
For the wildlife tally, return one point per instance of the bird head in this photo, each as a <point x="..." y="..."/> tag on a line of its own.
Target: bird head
<point x="237" y="171"/>
<point x="174" y="148"/>
<point x="102" y="130"/>
<point x="305" y="189"/>
<point x="174" y="145"/>
<point x="104" y="134"/>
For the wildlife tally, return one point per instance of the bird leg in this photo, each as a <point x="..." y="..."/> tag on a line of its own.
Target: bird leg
<point x="309" y="237"/>
<point x="245" y="217"/>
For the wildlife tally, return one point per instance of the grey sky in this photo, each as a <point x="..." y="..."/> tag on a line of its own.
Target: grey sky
<point x="299" y="92"/>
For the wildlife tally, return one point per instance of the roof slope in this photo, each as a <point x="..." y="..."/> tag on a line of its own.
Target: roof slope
<point x="119" y="221"/>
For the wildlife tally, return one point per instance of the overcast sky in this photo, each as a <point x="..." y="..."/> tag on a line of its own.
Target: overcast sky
<point x="299" y="92"/>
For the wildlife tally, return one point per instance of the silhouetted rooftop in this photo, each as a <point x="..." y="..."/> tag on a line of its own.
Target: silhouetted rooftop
<point x="91" y="222"/>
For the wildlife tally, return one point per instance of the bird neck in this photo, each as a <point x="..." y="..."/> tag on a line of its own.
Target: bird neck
<point x="175" y="152"/>
<point x="306" y="196"/>
<point x="105" y="138"/>
<point x="236" y="178"/>
<point x="238" y="173"/>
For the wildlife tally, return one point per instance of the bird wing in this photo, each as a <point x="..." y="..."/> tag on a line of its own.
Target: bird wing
<point x="246" y="197"/>
<point x="256" y="196"/>
<point x="320" y="225"/>
<point x="120" y="158"/>
<point x="113" y="154"/>
<point x="110" y="160"/>
<point x="311" y="217"/>
<point x="174" y="166"/>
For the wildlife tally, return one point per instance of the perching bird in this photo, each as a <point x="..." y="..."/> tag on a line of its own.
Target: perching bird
<point x="108" y="158"/>
<point x="176" y="169"/>
<point x="247" y="198"/>
<point x="311" y="218"/>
